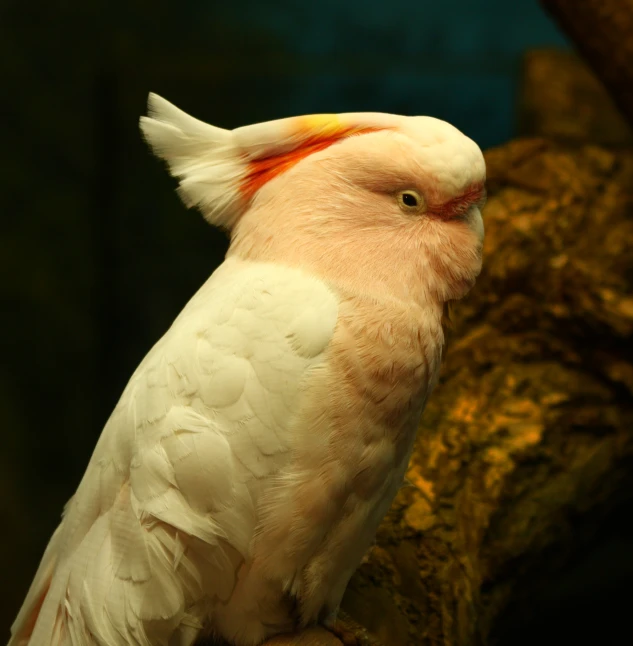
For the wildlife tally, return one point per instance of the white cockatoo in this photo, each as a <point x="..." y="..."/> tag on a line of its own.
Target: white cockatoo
<point x="257" y="447"/>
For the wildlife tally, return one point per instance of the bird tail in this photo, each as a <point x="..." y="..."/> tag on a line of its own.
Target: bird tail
<point x="24" y="623"/>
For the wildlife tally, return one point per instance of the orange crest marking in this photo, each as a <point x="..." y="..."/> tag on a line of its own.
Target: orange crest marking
<point x="328" y="130"/>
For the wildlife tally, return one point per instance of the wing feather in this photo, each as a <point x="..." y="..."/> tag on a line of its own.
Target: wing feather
<point x="168" y="507"/>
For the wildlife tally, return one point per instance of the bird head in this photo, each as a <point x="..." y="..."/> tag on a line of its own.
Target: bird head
<point x="369" y="200"/>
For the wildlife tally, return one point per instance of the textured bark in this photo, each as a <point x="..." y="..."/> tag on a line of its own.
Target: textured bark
<point x="526" y="443"/>
<point x="601" y="30"/>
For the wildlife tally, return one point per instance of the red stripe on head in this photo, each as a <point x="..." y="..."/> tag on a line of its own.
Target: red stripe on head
<point x="261" y="171"/>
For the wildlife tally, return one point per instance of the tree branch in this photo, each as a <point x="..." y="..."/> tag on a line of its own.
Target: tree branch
<point x="601" y="30"/>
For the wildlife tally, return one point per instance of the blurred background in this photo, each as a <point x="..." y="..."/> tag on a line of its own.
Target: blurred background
<point x="98" y="254"/>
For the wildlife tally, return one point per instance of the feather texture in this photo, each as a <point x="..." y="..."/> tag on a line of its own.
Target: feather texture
<point x="165" y="514"/>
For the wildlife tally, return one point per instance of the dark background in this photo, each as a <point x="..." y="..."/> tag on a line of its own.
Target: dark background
<point x="97" y="253"/>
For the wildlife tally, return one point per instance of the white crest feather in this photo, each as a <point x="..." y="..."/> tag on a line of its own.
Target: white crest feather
<point x="201" y="156"/>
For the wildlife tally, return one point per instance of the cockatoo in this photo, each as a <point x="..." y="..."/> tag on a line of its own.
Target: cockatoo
<point x="256" y="448"/>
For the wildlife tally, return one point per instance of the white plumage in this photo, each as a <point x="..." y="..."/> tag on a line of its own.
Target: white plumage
<point x="203" y="419"/>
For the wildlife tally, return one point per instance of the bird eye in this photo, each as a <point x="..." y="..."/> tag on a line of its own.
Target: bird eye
<point x="410" y="201"/>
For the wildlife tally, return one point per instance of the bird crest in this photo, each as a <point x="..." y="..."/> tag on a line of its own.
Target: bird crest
<point x="220" y="171"/>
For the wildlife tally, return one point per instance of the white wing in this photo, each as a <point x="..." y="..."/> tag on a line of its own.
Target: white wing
<point x="166" y="511"/>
